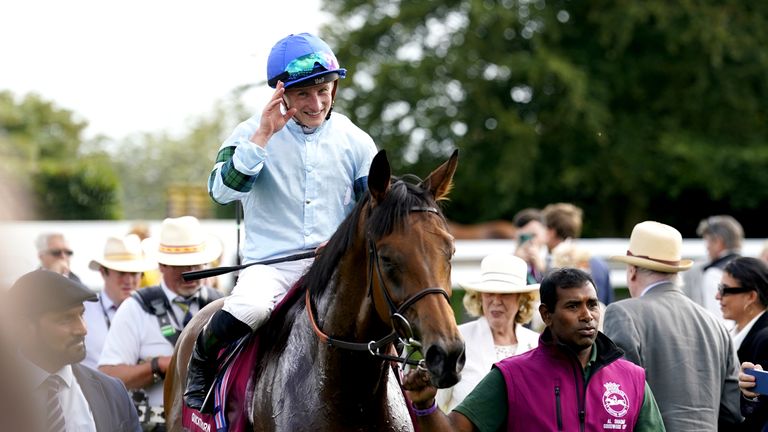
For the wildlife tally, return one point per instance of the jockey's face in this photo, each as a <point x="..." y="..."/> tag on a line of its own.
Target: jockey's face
<point x="312" y="103"/>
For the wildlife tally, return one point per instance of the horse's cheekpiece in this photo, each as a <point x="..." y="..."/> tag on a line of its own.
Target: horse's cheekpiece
<point x="401" y="327"/>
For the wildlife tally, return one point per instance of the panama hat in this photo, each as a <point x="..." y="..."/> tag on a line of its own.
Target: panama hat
<point x="183" y="242"/>
<point x="123" y="254"/>
<point x="655" y="246"/>
<point x="502" y="274"/>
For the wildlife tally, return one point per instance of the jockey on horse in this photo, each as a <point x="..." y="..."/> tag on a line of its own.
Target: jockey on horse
<point x="298" y="169"/>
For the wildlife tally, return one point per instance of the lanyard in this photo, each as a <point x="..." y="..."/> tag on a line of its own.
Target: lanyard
<point x="104" y="311"/>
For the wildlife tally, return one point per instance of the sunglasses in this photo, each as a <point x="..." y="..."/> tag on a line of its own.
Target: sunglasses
<point x="725" y="290"/>
<point x="60" y="252"/>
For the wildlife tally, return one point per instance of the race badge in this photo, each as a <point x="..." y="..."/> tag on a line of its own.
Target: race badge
<point x="615" y="401"/>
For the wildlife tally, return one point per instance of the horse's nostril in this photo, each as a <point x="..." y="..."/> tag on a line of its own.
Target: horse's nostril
<point x="444" y="366"/>
<point x="435" y="358"/>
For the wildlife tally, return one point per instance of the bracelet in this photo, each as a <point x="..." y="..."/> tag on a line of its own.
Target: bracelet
<point x="424" y="412"/>
<point x="155" y="364"/>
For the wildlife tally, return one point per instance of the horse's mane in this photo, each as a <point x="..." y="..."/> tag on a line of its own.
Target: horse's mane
<point x="389" y="214"/>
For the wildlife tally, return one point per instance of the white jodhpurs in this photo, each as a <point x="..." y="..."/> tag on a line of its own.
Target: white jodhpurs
<point x="260" y="287"/>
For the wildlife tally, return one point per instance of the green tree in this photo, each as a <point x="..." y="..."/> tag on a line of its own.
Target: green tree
<point x="632" y="110"/>
<point x="40" y="145"/>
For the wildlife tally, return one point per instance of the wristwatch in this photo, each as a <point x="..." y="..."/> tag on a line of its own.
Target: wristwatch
<point x="157" y="374"/>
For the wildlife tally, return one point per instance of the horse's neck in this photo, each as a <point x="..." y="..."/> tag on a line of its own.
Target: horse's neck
<point x="348" y="306"/>
<point x="349" y="315"/>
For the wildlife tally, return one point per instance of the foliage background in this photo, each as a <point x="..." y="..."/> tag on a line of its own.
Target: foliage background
<point x="631" y="110"/>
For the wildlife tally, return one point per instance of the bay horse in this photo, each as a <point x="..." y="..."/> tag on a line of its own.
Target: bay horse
<point x="384" y="275"/>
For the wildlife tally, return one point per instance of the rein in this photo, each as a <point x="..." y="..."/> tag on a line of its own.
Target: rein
<point x="396" y="312"/>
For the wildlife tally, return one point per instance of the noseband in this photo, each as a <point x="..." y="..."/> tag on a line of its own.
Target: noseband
<point x="401" y="327"/>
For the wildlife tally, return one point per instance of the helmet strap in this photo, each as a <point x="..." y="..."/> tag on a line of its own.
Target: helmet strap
<point x="333" y="98"/>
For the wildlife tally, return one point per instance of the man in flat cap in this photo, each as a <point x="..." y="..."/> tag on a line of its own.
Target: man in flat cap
<point x="686" y="352"/>
<point x="48" y="311"/>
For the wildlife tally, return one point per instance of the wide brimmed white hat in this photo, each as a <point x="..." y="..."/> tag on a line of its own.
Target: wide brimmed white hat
<point x="655" y="246"/>
<point x="124" y="254"/>
<point x="183" y="242"/>
<point x="502" y="274"/>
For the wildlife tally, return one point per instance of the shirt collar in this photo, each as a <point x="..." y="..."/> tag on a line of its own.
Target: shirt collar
<point x="37" y="375"/>
<point x="170" y="295"/>
<point x="592" y="357"/>
<point x="106" y="300"/>
<point x="652" y="286"/>
<point x="738" y="337"/>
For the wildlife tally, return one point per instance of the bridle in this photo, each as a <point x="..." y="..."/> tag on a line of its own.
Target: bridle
<point x="401" y="327"/>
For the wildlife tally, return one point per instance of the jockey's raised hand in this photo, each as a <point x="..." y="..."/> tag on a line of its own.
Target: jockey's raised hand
<point x="272" y="118"/>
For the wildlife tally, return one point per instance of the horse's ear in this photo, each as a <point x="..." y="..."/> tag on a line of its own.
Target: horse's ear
<point x="379" y="176"/>
<point x="439" y="183"/>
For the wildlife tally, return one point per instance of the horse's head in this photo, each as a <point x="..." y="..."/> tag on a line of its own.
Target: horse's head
<point x="410" y="250"/>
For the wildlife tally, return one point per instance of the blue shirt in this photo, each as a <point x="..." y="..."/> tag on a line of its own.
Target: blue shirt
<point x="297" y="190"/>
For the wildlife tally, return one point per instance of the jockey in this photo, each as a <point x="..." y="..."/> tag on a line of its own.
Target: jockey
<point x="298" y="169"/>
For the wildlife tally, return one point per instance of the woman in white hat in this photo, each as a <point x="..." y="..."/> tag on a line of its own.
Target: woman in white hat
<point x="503" y="301"/>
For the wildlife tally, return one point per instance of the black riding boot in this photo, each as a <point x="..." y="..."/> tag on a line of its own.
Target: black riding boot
<point x="222" y="330"/>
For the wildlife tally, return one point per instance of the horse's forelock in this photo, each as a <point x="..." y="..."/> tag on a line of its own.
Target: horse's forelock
<point x="392" y="212"/>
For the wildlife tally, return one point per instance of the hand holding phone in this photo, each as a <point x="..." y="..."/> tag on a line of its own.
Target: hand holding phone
<point x="525" y="237"/>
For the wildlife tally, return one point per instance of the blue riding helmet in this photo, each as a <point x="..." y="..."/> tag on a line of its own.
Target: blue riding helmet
<point x="302" y="60"/>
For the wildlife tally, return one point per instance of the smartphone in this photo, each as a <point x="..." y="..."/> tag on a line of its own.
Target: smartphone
<point x="761" y="379"/>
<point x="524" y="237"/>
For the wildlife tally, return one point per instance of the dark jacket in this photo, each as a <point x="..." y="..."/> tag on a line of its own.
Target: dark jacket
<point x="754" y="349"/>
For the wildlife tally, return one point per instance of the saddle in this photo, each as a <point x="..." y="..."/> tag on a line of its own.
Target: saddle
<point x="234" y="378"/>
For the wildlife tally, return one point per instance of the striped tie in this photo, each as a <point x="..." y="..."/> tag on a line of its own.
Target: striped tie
<point x="55" y="419"/>
<point x="185" y="304"/>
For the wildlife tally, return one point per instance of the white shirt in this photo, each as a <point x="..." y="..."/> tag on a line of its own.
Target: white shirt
<point x="98" y="317"/>
<point x="135" y="336"/>
<point x="739" y="336"/>
<point x="77" y="413"/>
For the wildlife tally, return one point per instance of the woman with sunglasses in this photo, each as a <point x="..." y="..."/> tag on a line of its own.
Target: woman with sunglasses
<point x="298" y="169"/>
<point x="743" y="297"/>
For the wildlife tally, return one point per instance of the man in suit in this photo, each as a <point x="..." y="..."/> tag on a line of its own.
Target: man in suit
<point x="67" y="396"/>
<point x="55" y="254"/>
<point x="723" y="236"/>
<point x="687" y="353"/>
